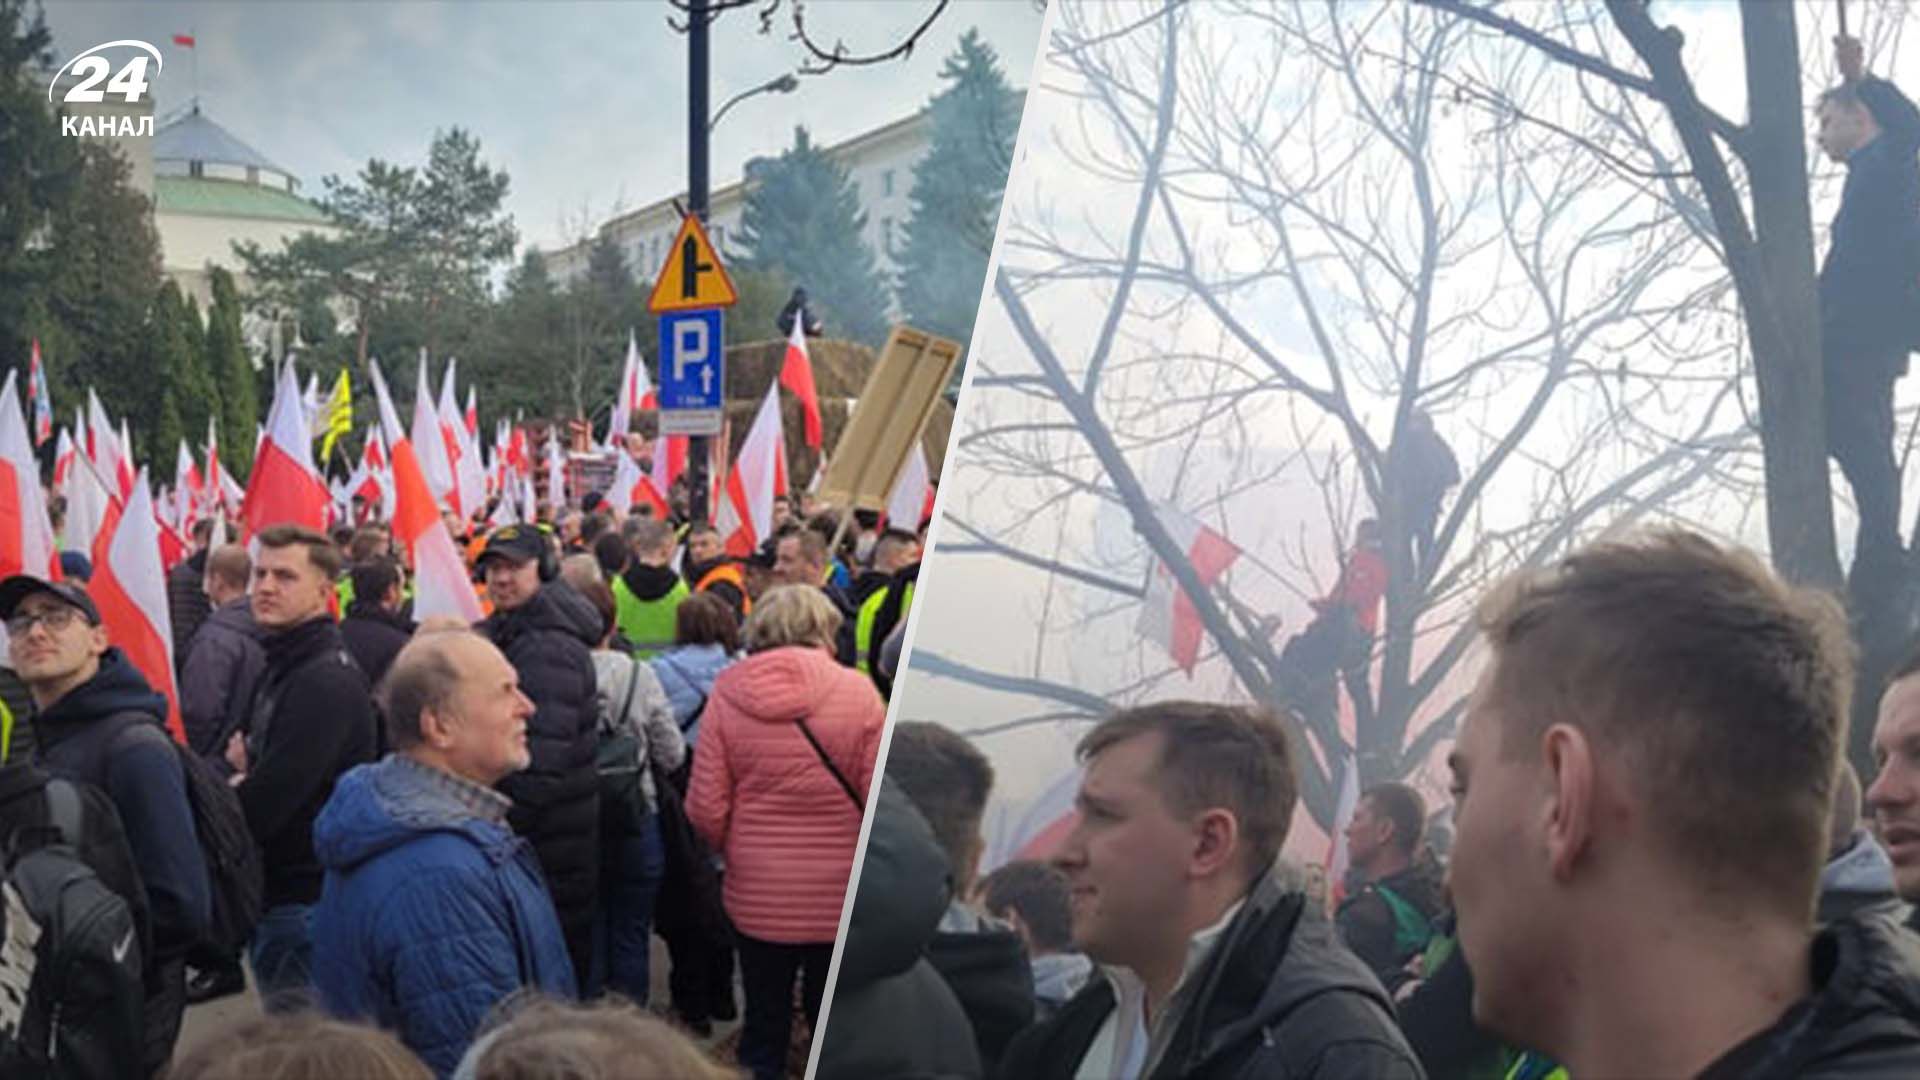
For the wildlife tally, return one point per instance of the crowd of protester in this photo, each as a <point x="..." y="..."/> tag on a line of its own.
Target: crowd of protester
<point x="406" y="829"/>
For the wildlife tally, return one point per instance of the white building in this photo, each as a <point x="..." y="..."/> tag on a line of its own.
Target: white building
<point x="880" y="163"/>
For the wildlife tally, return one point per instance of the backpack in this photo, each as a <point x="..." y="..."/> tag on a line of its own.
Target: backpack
<point x="623" y="803"/>
<point x="234" y="875"/>
<point x="71" y="991"/>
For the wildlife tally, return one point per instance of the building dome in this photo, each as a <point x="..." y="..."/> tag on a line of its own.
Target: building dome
<point x="200" y="167"/>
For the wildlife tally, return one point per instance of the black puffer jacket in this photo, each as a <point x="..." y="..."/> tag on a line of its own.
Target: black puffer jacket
<point x="220" y="676"/>
<point x="556" y="800"/>
<point x="986" y="964"/>
<point x="187" y="603"/>
<point x="312" y="721"/>
<point x="1277" y="996"/>
<point x="1862" y="1020"/>
<point x="1368" y="926"/>
<point x="892" y="1014"/>
<point x="374" y="637"/>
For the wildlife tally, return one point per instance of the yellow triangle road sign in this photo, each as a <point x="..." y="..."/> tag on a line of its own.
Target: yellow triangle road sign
<point x="693" y="276"/>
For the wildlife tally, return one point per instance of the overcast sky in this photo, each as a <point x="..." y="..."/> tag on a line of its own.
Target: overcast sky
<point x="584" y="104"/>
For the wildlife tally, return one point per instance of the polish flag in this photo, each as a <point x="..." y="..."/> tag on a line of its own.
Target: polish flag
<point x="1036" y="829"/>
<point x="1167" y="614"/>
<point x="284" y="487"/>
<point x="669" y="461"/>
<point x="796" y="374"/>
<point x="634" y="393"/>
<point x="173" y="546"/>
<point x="745" y="508"/>
<point x="26" y="535"/>
<point x="463" y="453"/>
<point x="62" y="458"/>
<point x="82" y="438"/>
<point x="123" y="465"/>
<point x="371" y="479"/>
<point x="130" y="588"/>
<point x="632" y="488"/>
<point x="472" y="415"/>
<point x="441" y="585"/>
<point x="429" y="446"/>
<point x="107" y="451"/>
<point x="188" y="493"/>
<point x="87" y="503"/>
<point x="214" y="497"/>
<point x="912" y="492"/>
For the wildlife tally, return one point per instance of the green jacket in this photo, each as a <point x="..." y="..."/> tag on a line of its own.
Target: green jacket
<point x="648" y="624"/>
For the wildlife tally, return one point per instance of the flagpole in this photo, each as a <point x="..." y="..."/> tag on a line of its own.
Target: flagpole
<point x="194" y="33"/>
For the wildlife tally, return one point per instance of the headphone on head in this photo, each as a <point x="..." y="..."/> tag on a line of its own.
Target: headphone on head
<point x="547" y="563"/>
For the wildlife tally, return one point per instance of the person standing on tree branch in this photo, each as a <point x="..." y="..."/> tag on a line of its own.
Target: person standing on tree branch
<point x="1869" y="288"/>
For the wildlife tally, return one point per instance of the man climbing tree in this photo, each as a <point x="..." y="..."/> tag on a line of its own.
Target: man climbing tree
<point x="1870" y="289"/>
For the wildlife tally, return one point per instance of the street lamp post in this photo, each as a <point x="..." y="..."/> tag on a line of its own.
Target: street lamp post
<point x="785" y="84"/>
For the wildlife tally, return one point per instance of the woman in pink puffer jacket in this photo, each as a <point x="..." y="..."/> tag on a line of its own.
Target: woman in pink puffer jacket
<point x="784" y="811"/>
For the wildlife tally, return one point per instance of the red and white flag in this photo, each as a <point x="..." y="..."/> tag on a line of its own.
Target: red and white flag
<point x="1167" y="614"/>
<point x="472" y="415"/>
<point x="214" y="496"/>
<point x="634" y="393"/>
<point x="632" y="488"/>
<point x="188" y="495"/>
<point x="745" y="506"/>
<point x="108" y="451"/>
<point x="912" y="497"/>
<point x="26" y="535"/>
<point x="40" y="402"/>
<point x="429" y="446"/>
<point x="796" y="374"/>
<point x="123" y="466"/>
<point x="669" y="461"/>
<point x="372" y="480"/>
<point x="463" y="454"/>
<point x="130" y="588"/>
<point x="87" y="501"/>
<point x="62" y="458"/>
<point x="441" y="585"/>
<point x="285" y="488"/>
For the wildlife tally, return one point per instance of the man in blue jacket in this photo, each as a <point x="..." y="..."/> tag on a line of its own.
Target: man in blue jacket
<point x="99" y="722"/>
<point x="433" y="909"/>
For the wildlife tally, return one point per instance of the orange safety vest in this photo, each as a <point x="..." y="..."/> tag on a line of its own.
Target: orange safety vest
<point x="729" y="573"/>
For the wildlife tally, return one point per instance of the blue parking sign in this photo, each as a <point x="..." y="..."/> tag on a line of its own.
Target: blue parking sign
<point x="693" y="373"/>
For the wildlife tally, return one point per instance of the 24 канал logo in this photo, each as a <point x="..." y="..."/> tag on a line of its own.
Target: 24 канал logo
<point x="130" y="82"/>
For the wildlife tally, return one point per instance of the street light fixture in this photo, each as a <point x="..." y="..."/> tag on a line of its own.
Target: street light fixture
<point x="785" y="84"/>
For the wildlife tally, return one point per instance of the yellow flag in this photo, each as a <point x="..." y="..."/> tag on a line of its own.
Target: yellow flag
<point x="339" y="415"/>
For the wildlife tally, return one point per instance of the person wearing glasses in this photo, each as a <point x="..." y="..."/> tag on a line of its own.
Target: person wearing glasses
<point x="99" y="722"/>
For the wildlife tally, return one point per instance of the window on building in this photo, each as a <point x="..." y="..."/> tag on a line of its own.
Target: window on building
<point x="196" y="169"/>
<point x="886" y="182"/>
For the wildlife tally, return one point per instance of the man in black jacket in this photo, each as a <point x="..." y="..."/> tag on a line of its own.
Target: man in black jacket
<point x="1212" y="963"/>
<point x="100" y="723"/>
<point x="187" y="602"/>
<point x="1388" y="918"/>
<point x="980" y="957"/>
<point x="225" y="661"/>
<point x="893" y="1014"/>
<point x="1870" y="288"/>
<point x="547" y="631"/>
<point x="1643" y="782"/>
<point x="373" y="628"/>
<point x="800" y="558"/>
<point x="312" y="721"/>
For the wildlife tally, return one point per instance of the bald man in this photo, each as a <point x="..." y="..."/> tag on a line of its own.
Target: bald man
<point x="433" y="908"/>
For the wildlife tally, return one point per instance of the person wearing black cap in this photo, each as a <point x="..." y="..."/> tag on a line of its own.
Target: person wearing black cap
<point x="312" y="720"/>
<point x="547" y="631"/>
<point x="100" y="723"/>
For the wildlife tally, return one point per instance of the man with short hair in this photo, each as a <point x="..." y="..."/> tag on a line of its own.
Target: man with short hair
<point x="1893" y="798"/>
<point x="982" y="959"/>
<point x="800" y="558"/>
<point x="372" y="628"/>
<point x="1033" y="898"/>
<point x="1643" y="780"/>
<point x="224" y="663"/>
<point x="312" y="721"/>
<point x="1388" y="918"/>
<point x="187" y="603"/>
<point x="547" y="631"/>
<point x="99" y="722"/>
<point x="434" y="910"/>
<point x="1211" y="964"/>
<point x="647" y="593"/>
<point x="1869" y="289"/>
<point x="708" y="569"/>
